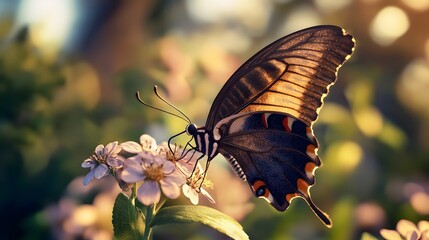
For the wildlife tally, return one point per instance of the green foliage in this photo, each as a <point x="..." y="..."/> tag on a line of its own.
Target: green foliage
<point x="200" y="214"/>
<point x="128" y="221"/>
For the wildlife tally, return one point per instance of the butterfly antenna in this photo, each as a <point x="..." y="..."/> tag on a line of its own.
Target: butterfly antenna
<point x="159" y="109"/>
<point x="155" y="89"/>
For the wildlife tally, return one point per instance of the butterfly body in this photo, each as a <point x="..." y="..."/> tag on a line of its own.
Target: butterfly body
<point x="261" y="120"/>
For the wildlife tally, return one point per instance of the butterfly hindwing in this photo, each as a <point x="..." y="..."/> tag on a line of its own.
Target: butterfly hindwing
<point x="277" y="154"/>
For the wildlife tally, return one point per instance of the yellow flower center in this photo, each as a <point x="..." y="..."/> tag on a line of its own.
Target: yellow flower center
<point x="154" y="172"/>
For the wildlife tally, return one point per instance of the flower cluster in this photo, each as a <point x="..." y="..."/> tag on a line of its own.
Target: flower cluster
<point x="407" y="230"/>
<point x="154" y="167"/>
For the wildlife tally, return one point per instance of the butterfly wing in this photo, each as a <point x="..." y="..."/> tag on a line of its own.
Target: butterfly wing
<point x="290" y="76"/>
<point x="277" y="155"/>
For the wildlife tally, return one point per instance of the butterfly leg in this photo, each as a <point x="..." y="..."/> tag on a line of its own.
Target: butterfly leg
<point x="195" y="166"/>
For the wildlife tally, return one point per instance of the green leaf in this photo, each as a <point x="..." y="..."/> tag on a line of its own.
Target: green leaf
<point x="367" y="236"/>
<point x="200" y="214"/>
<point x="128" y="222"/>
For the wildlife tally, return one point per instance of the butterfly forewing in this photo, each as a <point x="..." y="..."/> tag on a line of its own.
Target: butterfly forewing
<point x="289" y="76"/>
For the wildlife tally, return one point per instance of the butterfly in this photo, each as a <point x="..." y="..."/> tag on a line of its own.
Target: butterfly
<point x="261" y="120"/>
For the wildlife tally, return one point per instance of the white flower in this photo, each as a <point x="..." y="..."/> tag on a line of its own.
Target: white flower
<point x="147" y="144"/>
<point x="102" y="161"/>
<point x="194" y="185"/>
<point x="407" y="230"/>
<point x="156" y="172"/>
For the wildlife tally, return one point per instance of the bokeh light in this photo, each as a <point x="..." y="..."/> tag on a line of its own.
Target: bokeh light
<point x="388" y="25"/>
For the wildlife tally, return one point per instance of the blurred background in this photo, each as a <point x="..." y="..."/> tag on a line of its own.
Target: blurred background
<point x="69" y="70"/>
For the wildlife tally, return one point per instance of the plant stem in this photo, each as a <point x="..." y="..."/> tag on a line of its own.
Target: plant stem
<point x="147" y="235"/>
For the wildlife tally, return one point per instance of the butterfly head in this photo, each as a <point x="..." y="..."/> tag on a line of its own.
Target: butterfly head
<point x="191" y="129"/>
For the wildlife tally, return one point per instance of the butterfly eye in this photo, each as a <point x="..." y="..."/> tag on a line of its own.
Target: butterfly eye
<point x="260" y="191"/>
<point x="191" y="129"/>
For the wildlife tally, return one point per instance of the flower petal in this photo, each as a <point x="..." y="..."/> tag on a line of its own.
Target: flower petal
<point x="89" y="163"/>
<point x="133" y="171"/>
<point x="148" y="142"/>
<point x="99" y="150"/>
<point x="423" y="225"/>
<point x="115" y="162"/>
<point x="131" y="147"/>
<point x="101" y="171"/>
<point x="207" y="195"/>
<point x="88" y="178"/>
<point x="170" y="188"/>
<point x="390" y="234"/>
<point x="168" y="167"/>
<point x="405" y="226"/>
<point x="111" y="149"/>
<point x="413" y="235"/>
<point x="190" y="193"/>
<point x="149" y="193"/>
<point x="176" y="178"/>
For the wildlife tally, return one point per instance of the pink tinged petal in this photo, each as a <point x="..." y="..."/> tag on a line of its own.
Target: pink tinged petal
<point x="88" y="178"/>
<point x="207" y="195"/>
<point x="405" y="226"/>
<point x="390" y="234"/>
<point x="169" y="188"/>
<point x="423" y="225"/>
<point x="149" y="193"/>
<point x="190" y="193"/>
<point x="425" y="234"/>
<point x="176" y="178"/>
<point x="110" y="148"/>
<point x="131" y="147"/>
<point x="160" y="160"/>
<point x="413" y="235"/>
<point x="133" y="172"/>
<point x="89" y="163"/>
<point x="101" y="171"/>
<point x="168" y="167"/>
<point x="99" y="150"/>
<point x="115" y="162"/>
<point x="148" y="142"/>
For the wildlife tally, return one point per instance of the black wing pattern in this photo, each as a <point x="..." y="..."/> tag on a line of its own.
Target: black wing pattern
<point x="277" y="155"/>
<point x="289" y="76"/>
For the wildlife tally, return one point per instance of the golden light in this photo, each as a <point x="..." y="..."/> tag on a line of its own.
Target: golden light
<point x="331" y="5"/>
<point x="85" y="215"/>
<point x="301" y="17"/>
<point x="413" y="87"/>
<point x="418" y="5"/>
<point x="254" y="14"/>
<point x="369" y="121"/>
<point x="49" y="22"/>
<point x="347" y="155"/>
<point x="388" y="25"/>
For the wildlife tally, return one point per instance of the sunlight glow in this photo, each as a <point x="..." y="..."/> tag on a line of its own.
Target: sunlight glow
<point x="331" y="5"/>
<point x="418" y="5"/>
<point x="413" y="87"/>
<point x="49" y="21"/>
<point x="348" y="156"/>
<point x="369" y="121"/>
<point x="301" y="17"/>
<point x="254" y="14"/>
<point x="388" y="25"/>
